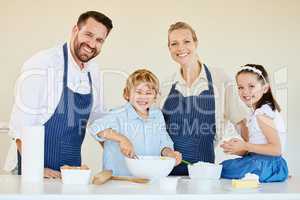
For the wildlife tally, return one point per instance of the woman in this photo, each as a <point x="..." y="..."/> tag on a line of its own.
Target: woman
<point x="199" y="102"/>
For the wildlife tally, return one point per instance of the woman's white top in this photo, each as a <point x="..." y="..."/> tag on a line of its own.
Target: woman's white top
<point x="256" y="135"/>
<point x="228" y="106"/>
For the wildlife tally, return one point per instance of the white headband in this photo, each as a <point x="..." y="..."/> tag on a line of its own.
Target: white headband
<point x="253" y="69"/>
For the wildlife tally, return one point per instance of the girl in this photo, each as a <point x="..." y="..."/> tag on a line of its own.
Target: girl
<point x="264" y="141"/>
<point x="135" y="129"/>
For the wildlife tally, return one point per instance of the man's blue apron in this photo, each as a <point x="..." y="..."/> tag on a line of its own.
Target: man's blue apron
<point x="65" y="130"/>
<point x="190" y="122"/>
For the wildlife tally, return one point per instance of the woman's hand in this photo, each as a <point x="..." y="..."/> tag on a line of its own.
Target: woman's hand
<point x="173" y="154"/>
<point x="234" y="146"/>
<point x="50" y="173"/>
<point x="126" y="147"/>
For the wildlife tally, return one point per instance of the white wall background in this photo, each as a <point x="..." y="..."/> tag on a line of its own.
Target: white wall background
<point x="231" y="33"/>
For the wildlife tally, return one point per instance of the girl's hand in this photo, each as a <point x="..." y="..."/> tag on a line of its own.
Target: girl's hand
<point x="126" y="147"/>
<point x="234" y="146"/>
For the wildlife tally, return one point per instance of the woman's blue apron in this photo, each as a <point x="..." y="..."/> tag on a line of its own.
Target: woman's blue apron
<point x="65" y="130"/>
<point x="190" y="123"/>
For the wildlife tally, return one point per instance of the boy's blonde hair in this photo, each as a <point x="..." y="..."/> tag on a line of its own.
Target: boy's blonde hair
<point x="141" y="76"/>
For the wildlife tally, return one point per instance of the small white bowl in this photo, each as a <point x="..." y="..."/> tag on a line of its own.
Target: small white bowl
<point x="205" y="171"/>
<point x="168" y="183"/>
<point x="151" y="167"/>
<point x="76" y="176"/>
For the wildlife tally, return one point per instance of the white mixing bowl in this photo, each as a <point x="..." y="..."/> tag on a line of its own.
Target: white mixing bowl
<point x="205" y="171"/>
<point x="151" y="167"/>
<point x="76" y="176"/>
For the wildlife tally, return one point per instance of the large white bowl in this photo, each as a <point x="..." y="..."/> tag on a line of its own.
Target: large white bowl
<point x="76" y="176"/>
<point x="205" y="171"/>
<point x="151" y="167"/>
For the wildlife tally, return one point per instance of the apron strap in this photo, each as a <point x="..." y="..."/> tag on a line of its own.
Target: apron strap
<point x="209" y="80"/>
<point x="90" y="82"/>
<point x="65" y="50"/>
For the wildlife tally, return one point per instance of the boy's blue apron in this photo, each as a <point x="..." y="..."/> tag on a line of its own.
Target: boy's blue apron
<point x="65" y="130"/>
<point x="190" y="122"/>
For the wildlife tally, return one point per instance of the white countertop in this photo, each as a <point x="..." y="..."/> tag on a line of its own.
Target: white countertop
<point x="11" y="187"/>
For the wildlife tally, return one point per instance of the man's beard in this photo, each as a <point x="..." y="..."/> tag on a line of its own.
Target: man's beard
<point x="83" y="56"/>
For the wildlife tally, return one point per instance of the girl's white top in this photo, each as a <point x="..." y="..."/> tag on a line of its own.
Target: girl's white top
<point x="256" y="135"/>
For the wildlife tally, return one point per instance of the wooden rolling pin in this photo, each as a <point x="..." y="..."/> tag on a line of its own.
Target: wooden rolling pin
<point x="106" y="175"/>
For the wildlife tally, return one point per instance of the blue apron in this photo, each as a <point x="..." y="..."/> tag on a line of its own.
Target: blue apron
<point x="65" y="130"/>
<point x="267" y="168"/>
<point x="190" y="123"/>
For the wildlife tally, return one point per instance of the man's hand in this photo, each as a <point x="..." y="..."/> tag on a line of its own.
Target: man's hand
<point x="50" y="173"/>
<point x="19" y="145"/>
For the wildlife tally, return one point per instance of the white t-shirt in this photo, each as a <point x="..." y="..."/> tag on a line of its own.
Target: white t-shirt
<point x="256" y="135"/>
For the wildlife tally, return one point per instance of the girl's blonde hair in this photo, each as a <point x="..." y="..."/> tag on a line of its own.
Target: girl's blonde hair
<point x="141" y="76"/>
<point x="182" y="25"/>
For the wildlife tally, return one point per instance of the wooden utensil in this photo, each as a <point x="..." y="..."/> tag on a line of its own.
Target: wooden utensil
<point x="102" y="177"/>
<point x="130" y="179"/>
<point x="106" y="175"/>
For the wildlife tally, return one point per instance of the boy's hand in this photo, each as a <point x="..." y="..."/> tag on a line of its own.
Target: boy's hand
<point x="126" y="147"/>
<point x="173" y="154"/>
<point x="177" y="155"/>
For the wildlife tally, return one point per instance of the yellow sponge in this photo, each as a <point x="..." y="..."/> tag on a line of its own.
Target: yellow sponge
<point x="244" y="183"/>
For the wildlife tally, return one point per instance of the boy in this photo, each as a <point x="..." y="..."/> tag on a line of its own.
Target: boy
<point x="136" y="128"/>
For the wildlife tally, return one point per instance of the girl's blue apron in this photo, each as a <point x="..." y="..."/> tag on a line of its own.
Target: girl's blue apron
<point x="65" y="130"/>
<point x="190" y="123"/>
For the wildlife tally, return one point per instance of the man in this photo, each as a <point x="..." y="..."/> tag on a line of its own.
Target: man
<point x="59" y="88"/>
